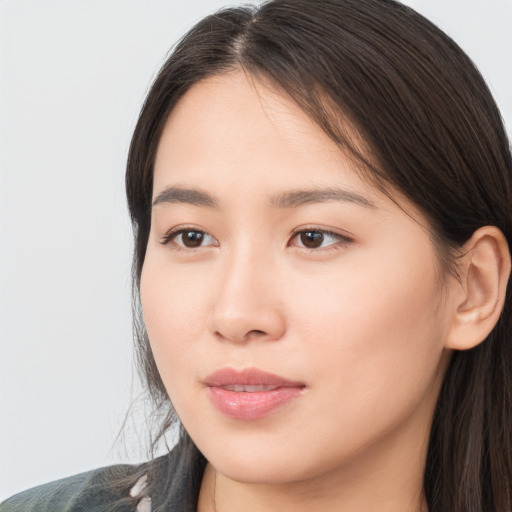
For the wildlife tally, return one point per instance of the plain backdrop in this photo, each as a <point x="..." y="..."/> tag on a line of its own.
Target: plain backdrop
<point x="73" y="77"/>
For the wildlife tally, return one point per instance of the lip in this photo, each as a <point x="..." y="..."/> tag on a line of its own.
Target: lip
<point x="250" y="404"/>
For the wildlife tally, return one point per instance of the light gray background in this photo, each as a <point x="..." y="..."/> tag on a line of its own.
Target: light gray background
<point x="73" y="76"/>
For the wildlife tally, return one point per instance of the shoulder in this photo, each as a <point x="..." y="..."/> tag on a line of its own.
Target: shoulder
<point x="94" y="491"/>
<point x="169" y="482"/>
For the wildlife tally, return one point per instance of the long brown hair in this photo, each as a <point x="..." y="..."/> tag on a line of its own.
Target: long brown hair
<point x="432" y="131"/>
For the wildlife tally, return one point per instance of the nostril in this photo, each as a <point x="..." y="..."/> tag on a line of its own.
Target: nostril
<point x="256" y="332"/>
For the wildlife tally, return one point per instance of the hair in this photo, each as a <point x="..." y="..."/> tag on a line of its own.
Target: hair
<point x="431" y="131"/>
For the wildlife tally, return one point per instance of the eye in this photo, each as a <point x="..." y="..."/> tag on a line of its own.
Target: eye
<point x="188" y="238"/>
<point x="318" y="239"/>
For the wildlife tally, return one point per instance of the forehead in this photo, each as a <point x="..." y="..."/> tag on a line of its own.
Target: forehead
<point x="238" y="136"/>
<point x="231" y="124"/>
<point x="240" y="100"/>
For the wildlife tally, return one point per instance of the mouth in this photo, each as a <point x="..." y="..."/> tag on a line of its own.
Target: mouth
<point x="250" y="394"/>
<point x="246" y="388"/>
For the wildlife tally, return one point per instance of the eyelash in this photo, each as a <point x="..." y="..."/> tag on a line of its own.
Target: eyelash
<point x="341" y="239"/>
<point x="173" y="233"/>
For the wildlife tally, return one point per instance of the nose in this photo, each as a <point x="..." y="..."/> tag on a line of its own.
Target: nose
<point x="248" y="304"/>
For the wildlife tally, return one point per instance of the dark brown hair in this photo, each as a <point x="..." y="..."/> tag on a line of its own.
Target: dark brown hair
<point x="433" y="132"/>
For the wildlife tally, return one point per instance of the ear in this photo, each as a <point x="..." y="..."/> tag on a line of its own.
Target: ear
<point x="479" y="296"/>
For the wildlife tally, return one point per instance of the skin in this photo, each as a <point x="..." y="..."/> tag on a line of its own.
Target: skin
<point x="362" y="320"/>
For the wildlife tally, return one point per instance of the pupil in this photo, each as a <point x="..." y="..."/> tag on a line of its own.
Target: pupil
<point x="311" y="239"/>
<point x="192" y="238"/>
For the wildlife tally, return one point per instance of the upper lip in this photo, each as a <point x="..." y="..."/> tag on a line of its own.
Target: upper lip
<point x="248" y="376"/>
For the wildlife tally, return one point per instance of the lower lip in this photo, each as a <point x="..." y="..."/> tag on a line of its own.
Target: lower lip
<point x="252" y="406"/>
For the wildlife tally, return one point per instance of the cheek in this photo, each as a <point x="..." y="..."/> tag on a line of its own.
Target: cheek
<point x="363" y="301"/>
<point x="373" y="337"/>
<point x="174" y="310"/>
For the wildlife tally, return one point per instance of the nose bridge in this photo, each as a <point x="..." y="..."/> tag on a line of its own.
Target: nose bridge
<point x="248" y="303"/>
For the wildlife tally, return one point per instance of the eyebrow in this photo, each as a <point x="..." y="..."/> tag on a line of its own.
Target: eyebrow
<point x="185" y="195"/>
<point x="291" y="199"/>
<point x="297" y="198"/>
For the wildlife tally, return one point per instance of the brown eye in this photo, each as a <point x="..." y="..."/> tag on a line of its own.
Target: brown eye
<point x="312" y="239"/>
<point x="191" y="239"/>
<point x="320" y="239"/>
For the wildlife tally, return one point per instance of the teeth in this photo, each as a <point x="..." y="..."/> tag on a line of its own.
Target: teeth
<point x="248" y="389"/>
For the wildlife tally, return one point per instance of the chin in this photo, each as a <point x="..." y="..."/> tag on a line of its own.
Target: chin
<point x="258" y="473"/>
<point x="261" y="465"/>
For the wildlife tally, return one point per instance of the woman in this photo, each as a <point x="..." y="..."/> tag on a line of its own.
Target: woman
<point x="321" y="195"/>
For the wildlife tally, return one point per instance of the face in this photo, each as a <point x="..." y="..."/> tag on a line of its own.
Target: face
<point x="295" y="313"/>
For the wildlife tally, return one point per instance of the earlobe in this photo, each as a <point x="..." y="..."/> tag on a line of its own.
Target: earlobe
<point x="479" y="297"/>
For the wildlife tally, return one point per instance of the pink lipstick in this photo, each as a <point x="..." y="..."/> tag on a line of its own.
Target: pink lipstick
<point x="250" y="394"/>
